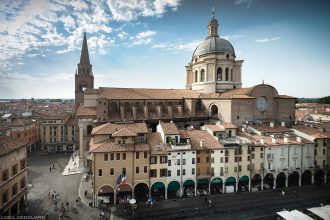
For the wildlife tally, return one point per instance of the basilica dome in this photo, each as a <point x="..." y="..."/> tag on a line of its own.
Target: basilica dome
<point x="214" y="45"/>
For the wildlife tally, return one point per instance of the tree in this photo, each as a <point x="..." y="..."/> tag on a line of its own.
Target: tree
<point x="325" y="100"/>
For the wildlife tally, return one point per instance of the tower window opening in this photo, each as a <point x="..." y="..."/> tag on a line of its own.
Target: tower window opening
<point x="227" y="74"/>
<point x="196" y="76"/>
<point x="202" y="75"/>
<point x="231" y="75"/>
<point x="219" y="74"/>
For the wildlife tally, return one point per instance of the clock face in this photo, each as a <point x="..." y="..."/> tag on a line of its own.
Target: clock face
<point x="261" y="103"/>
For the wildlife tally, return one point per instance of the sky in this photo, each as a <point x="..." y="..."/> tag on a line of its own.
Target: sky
<point x="148" y="43"/>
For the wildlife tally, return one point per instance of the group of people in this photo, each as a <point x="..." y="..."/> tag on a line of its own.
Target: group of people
<point x="52" y="167"/>
<point x="68" y="206"/>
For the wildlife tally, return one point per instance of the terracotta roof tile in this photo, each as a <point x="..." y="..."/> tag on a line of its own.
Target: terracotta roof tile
<point x="210" y="142"/>
<point x="8" y="145"/>
<point x="142" y="93"/>
<point x="314" y="132"/>
<point x="111" y="128"/>
<point x="110" y="146"/>
<point x="156" y="144"/>
<point x="124" y="132"/>
<point x="169" y="128"/>
<point x="214" y="128"/>
<point x="86" y="111"/>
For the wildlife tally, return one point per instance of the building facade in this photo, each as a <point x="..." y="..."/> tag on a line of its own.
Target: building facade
<point x="14" y="174"/>
<point x="57" y="133"/>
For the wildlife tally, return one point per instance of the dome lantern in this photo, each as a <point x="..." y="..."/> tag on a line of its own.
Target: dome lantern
<point x="213" y="27"/>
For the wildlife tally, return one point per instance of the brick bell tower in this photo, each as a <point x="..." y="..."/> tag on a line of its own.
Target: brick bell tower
<point x="84" y="78"/>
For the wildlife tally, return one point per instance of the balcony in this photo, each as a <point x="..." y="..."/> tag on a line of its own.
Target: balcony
<point x="181" y="146"/>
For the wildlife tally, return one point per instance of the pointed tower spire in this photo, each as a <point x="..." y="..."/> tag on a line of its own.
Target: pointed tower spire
<point x="213" y="26"/>
<point x="84" y="57"/>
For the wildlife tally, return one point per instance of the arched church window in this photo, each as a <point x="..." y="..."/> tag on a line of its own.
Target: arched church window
<point x="196" y="75"/>
<point x="219" y="74"/>
<point x="202" y="75"/>
<point x="196" y="60"/>
<point x="227" y="74"/>
<point x="231" y="75"/>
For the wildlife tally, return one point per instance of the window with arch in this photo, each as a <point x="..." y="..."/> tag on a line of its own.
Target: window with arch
<point x="231" y="75"/>
<point x="219" y="74"/>
<point x="202" y="75"/>
<point x="196" y="76"/>
<point x="227" y="74"/>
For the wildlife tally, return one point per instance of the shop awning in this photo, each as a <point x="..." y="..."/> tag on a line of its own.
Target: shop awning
<point x="158" y="185"/>
<point x="203" y="181"/>
<point x="189" y="183"/>
<point x="217" y="180"/>
<point x="231" y="180"/>
<point x="173" y="186"/>
<point x="244" y="179"/>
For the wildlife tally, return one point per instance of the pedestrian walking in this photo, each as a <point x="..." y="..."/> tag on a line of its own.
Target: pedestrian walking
<point x="205" y="199"/>
<point x="53" y="166"/>
<point x="50" y="169"/>
<point x="210" y="202"/>
<point x="85" y="192"/>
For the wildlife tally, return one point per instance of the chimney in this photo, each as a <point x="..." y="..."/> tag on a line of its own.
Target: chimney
<point x="285" y="139"/>
<point x="188" y="140"/>
<point x="262" y="141"/>
<point x="298" y="139"/>
<point x="283" y="123"/>
<point x="271" y="124"/>
<point x="202" y="142"/>
<point x="273" y="140"/>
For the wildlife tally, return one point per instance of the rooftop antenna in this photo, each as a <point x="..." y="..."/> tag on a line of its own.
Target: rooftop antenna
<point x="213" y="11"/>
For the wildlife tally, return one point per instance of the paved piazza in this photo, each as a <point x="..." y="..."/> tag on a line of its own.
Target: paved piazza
<point x="233" y="206"/>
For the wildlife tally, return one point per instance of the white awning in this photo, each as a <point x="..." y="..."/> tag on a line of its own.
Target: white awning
<point x="323" y="212"/>
<point x="294" y="215"/>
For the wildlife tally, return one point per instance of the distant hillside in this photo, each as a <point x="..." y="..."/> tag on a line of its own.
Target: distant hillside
<point x="308" y="100"/>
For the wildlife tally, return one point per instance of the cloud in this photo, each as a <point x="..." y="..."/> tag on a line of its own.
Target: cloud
<point x="265" y="40"/>
<point x="144" y="37"/>
<point x="131" y="9"/>
<point x="189" y="46"/>
<point x="247" y="2"/>
<point x="232" y="37"/>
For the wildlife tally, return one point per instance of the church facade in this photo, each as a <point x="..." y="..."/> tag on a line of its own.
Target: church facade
<point x="213" y="93"/>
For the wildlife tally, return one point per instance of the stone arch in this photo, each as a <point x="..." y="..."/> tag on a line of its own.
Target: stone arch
<point x="105" y="194"/>
<point x="319" y="177"/>
<point x="268" y="181"/>
<point x="173" y="189"/>
<point x="243" y="183"/>
<point x="141" y="191"/>
<point x="214" y="111"/>
<point x="293" y="179"/>
<point x="139" y="108"/>
<point x="216" y="185"/>
<point x="127" y="107"/>
<point x="124" y="193"/>
<point x="189" y="187"/>
<point x="306" y="178"/>
<point x="231" y="181"/>
<point x="113" y="107"/>
<point x="280" y="180"/>
<point x="256" y="181"/>
<point x="158" y="190"/>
